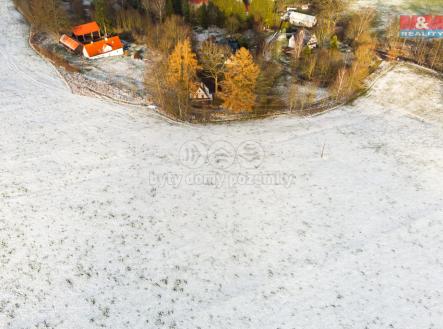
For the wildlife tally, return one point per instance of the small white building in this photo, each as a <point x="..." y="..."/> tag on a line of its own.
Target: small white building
<point x="202" y="93"/>
<point x="299" y="19"/>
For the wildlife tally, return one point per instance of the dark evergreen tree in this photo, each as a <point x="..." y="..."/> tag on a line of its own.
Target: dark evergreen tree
<point x="186" y="11"/>
<point x="169" y="9"/>
<point x="214" y="15"/>
<point x="202" y="16"/>
<point x="178" y="7"/>
<point x="101" y="14"/>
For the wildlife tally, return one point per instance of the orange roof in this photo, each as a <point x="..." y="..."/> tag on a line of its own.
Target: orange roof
<point x="87" y="28"/>
<point x="103" y="46"/>
<point x="69" y="42"/>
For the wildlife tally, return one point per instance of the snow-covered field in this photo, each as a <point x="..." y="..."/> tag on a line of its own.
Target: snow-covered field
<point x="350" y="235"/>
<point x="388" y="10"/>
<point x="402" y="6"/>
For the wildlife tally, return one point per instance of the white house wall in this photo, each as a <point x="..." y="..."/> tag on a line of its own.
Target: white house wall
<point x="117" y="52"/>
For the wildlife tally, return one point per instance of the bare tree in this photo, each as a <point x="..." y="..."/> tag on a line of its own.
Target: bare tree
<point x="360" y="24"/>
<point x="213" y="59"/>
<point x="294" y="96"/>
<point x="437" y="55"/>
<point x="394" y="43"/>
<point x="340" y="82"/>
<point x="44" y="15"/>
<point x="174" y="29"/>
<point x="298" y="43"/>
<point x="77" y="7"/>
<point x="156" y="7"/>
<point x="328" y="13"/>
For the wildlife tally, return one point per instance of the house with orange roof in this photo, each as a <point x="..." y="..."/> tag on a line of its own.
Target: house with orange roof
<point x="87" y="32"/>
<point x="71" y="43"/>
<point x="198" y="3"/>
<point x="105" y="47"/>
<point x="87" y="39"/>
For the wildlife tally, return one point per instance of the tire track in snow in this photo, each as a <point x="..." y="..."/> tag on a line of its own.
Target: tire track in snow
<point x="12" y="21"/>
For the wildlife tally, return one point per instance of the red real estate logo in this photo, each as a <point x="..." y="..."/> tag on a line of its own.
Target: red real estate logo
<point x="427" y="26"/>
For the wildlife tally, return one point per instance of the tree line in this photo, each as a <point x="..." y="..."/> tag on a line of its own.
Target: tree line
<point x="247" y="79"/>
<point x="174" y="80"/>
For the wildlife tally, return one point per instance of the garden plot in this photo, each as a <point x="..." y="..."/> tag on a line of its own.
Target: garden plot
<point x="121" y="78"/>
